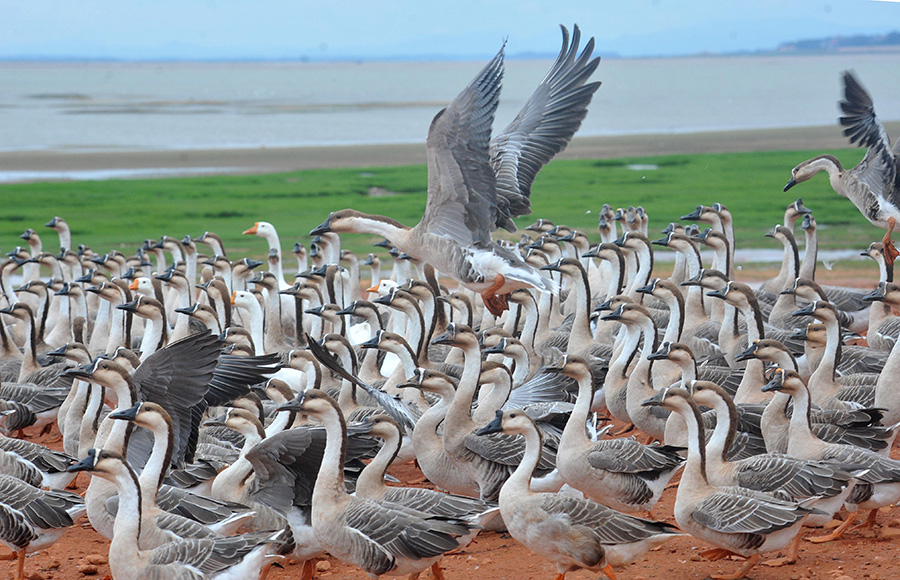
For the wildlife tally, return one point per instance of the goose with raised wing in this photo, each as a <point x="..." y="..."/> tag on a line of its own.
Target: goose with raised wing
<point x="477" y="184"/>
<point x="873" y="185"/>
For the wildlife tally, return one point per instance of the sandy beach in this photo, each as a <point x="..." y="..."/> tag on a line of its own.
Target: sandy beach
<point x="68" y="165"/>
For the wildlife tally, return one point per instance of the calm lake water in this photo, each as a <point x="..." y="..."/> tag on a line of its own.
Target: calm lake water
<point x="129" y="106"/>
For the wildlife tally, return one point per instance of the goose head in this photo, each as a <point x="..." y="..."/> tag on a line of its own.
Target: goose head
<point x="887" y="292"/>
<point x="512" y="421"/>
<point x="784" y="380"/>
<point x="458" y="335"/>
<point x="106" y="464"/>
<point x="431" y="381"/>
<point x="818" y="309"/>
<point x="810" y="167"/>
<point x="676" y="352"/>
<point x="574" y="367"/>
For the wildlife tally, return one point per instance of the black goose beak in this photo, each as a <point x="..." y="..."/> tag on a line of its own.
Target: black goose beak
<point x="747" y="354"/>
<point x="661" y="354"/>
<point x="648" y="289"/>
<point x="496" y="349"/>
<point x="661" y="242"/>
<point x="720" y="293"/>
<point x="446" y="338"/>
<point x="86" y="464"/>
<point x="129" y="414"/>
<point x="551" y="267"/>
<point x="799" y="334"/>
<point x="776" y="384"/>
<point x="188" y="311"/>
<point x="61" y="351"/>
<point x="605" y="305"/>
<point x="317" y="311"/>
<point x="789" y="184"/>
<point x="495" y="426"/>
<point x="656" y="400"/>
<point x="787" y="291"/>
<point x="322" y="228"/>
<point x="806" y="310"/>
<point x="348" y="310"/>
<point x="371" y="343"/>
<point x="876" y="295"/>
<point x="128" y="306"/>
<point x="80" y="372"/>
<point x="294" y="404"/>
<point x="217" y="421"/>
<point x="615" y="314"/>
<point x="694" y="215"/>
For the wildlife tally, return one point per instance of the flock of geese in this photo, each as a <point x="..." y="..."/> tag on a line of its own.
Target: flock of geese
<point x="229" y="418"/>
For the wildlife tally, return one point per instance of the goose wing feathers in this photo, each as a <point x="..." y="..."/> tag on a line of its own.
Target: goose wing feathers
<point x="462" y="200"/>
<point x="543" y="127"/>
<point x="607" y="525"/>
<point x="879" y="168"/>
<point x="382" y="532"/>
<point x="507" y="450"/>
<point x="738" y="511"/>
<point x="15" y="531"/>
<point x="46" y="460"/>
<point x="42" y="509"/>
<point x="796" y="479"/>
<point x="629" y="456"/>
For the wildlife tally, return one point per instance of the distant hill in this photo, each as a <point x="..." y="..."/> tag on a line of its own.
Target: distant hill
<point x="889" y="41"/>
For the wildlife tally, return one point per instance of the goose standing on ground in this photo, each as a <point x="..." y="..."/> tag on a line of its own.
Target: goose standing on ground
<point x="379" y="538"/>
<point x="739" y="521"/>
<point x="226" y="558"/>
<point x="874" y="184"/>
<point x="573" y="532"/>
<point x="477" y="184"/>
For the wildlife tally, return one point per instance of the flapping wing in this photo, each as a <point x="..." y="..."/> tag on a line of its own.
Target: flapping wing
<point x="861" y="125"/>
<point x="543" y="127"/>
<point x="462" y="200"/>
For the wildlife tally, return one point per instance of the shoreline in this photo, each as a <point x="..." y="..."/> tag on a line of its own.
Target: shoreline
<point x="31" y="166"/>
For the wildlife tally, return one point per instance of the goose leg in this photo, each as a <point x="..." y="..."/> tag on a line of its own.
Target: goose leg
<point x="870" y="521"/>
<point x="890" y="251"/>
<point x="751" y="562"/>
<point x="495" y="304"/>
<point x="610" y="573"/>
<point x="790" y="558"/>
<point x="20" y="568"/>
<point x="437" y="571"/>
<point x="838" y="531"/>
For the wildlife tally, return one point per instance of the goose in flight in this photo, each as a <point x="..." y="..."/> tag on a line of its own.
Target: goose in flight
<point x="477" y="184"/>
<point x="874" y="184"/>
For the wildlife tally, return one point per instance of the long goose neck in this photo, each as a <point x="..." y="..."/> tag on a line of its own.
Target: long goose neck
<point x="810" y="255"/>
<point x="399" y="236"/>
<point x="754" y="318"/>
<point x="415" y="325"/>
<point x="694" y="307"/>
<point x="371" y="480"/>
<point x="127" y="526"/>
<point x="800" y="433"/>
<point x="675" y="326"/>
<point x="329" y="486"/>
<point x="695" y="465"/>
<point x="831" y="357"/>
<point x="581" y="326"/>
<point x="459" y="412"/>
<point x="629" y="347"/>
<point x="725" y="431"/>
<point x="519" y="483"/>
<point x="529" y="328"/>
<point x="831" y="165"/>
<point x="790" y="264"/>
<point x="155" y="470"/>
<point x="156" y="334"/>
<point x="29" y="348"/>
<point x="688" y="371"/>
<point x="574" y="431"/>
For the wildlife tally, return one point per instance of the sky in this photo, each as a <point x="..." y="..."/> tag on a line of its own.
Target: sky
<point x="417" y="29"/>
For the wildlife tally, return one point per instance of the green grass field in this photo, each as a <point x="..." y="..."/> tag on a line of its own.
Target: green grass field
<point x="121" y="214"/>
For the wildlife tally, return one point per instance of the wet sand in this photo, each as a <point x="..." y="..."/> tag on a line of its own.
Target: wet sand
<point x="269" y="160"/>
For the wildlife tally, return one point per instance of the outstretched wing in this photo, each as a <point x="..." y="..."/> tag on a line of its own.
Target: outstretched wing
<point x="461" y="185"/>
<point x="543" y="127"/>
<point x="861" y="125"/>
